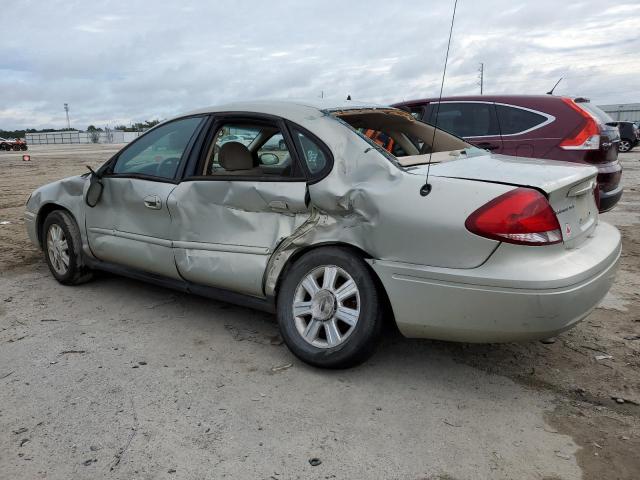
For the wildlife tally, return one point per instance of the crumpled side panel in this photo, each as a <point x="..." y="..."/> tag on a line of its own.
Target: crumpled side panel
<point x="225" y="231"/>
<point x="68" y="193"/>
<point x="368" y="202"/>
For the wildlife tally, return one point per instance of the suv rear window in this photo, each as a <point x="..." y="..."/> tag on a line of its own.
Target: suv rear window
<point x="595" y="112"/>
<point x="517" y="120"/>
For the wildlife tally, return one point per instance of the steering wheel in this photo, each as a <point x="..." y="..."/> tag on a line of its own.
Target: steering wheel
<point x="168" y="166"/>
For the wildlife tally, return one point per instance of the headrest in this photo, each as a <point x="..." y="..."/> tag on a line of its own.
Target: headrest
<point x="235" y="156"/>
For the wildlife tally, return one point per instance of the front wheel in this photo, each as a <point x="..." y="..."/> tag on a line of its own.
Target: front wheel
<point x="624" y="146"/>
<point x="62" y="246"/>
<point x="329" y="309"/>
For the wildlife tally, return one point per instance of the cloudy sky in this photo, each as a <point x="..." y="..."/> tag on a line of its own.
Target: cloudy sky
<point x="117" y="62"/>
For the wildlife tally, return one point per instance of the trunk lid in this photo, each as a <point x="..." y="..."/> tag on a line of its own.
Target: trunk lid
<point x="569" y="187"/>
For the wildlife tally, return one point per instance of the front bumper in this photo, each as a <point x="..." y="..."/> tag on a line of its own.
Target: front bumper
<point x="519" y="293"/>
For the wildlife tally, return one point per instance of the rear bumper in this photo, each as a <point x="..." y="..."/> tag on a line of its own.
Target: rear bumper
<point x="609" y="199"/>
<point x="520" y="293"/>
<point x="610" y="185"/>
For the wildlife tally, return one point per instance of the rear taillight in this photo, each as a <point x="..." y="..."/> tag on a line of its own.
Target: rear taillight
<point x="587" y="136"/>
<point x="521" y="216"/>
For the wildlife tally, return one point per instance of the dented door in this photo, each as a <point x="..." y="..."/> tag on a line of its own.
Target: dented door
<point x="130" y="225"/>
<point x="224" y="231"/>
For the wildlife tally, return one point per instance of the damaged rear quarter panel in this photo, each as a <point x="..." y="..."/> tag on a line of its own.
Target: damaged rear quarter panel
<point x="368" y="202"/>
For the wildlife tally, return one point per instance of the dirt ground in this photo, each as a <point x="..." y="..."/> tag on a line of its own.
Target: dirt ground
<point x="119" y="379"/>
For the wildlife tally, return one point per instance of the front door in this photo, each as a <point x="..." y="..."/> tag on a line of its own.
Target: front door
<point x="131" y="223"/>
<point x="247" y="196"/>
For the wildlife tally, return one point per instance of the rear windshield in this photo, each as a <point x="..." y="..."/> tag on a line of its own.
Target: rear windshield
<point x="596" y="112"/>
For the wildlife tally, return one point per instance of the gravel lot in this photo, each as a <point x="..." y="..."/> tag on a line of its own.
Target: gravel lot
<point x="119" y="379"/>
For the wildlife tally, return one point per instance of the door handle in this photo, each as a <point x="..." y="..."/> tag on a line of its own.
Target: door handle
<point x="153" y="202"/>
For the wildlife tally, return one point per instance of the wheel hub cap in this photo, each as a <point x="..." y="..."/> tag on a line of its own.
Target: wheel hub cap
<point x="58" y="249"/>
<point x="326" y="306"/>
<point x="323" y="305"/>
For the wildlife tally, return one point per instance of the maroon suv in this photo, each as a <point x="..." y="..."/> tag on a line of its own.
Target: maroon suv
<point x="538" y="126"/>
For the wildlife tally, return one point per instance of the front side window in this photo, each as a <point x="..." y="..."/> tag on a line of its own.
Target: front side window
<point x="465" y="119"/>
<point x="516" y="120"/>
<point x="246" y="149"/>
<point x="158" y="153"/>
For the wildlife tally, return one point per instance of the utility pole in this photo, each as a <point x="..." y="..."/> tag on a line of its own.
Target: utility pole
<point x="66" y="109"/>
<point x="481" y="77"/>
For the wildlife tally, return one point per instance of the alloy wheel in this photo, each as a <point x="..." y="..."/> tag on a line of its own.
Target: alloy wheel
<point x="326" y="306"/>
<point x="58" y="249"/>
<point x="624" y="146"/>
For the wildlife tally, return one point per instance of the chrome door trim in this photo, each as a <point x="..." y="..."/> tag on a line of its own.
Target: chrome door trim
<point x="132" y="236"/>
<point x="221" y="247"/>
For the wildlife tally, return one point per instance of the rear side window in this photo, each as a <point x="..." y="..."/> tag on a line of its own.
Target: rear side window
<point x="312" y="154"/>
<point x="516" y="120"/>
<point x="465" y="119"/>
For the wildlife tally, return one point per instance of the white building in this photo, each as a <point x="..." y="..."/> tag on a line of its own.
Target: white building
<point x="626" y="112"/>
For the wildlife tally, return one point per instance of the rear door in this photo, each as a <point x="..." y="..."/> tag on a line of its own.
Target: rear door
<point x="521" y="130"/>
<point x="475" y="121"/>
<point x="131" y="223"/>
<point x="229" y="216"/>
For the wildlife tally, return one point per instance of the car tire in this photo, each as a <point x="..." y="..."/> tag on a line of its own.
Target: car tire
<point x="62" y="245"/>
<point x="339" y="325"/>
<point x="625" y="145"/>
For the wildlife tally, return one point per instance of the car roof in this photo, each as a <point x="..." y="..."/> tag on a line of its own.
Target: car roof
<point x="479" y="98"/>
<point x="295" y="110"/>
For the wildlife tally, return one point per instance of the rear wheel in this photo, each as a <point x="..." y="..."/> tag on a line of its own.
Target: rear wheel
<point x="329" y="309"/>
<point x="624" y="145"/>
<point x="62" y="246"/>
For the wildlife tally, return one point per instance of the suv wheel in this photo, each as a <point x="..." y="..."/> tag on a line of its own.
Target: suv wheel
<point x="624" y="145"/>
<point x="329" y="309"/>
<point x="62" y="246"/>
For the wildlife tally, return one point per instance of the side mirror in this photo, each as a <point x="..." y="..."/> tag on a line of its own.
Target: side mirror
<point x="269" y="159"/>
<point x="94" y="192"/>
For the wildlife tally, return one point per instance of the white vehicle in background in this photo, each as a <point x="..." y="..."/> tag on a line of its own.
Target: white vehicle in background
<point x="235" y="138"/>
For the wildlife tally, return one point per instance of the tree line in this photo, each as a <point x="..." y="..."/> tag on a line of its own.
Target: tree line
<point x="134" y="127"/>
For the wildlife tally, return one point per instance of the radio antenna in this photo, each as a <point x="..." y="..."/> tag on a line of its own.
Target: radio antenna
<point x="426" y="188"/>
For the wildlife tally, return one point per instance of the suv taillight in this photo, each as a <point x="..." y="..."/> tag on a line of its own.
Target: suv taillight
<point x="587" y="137"/>
<point x="522" y="216"/>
